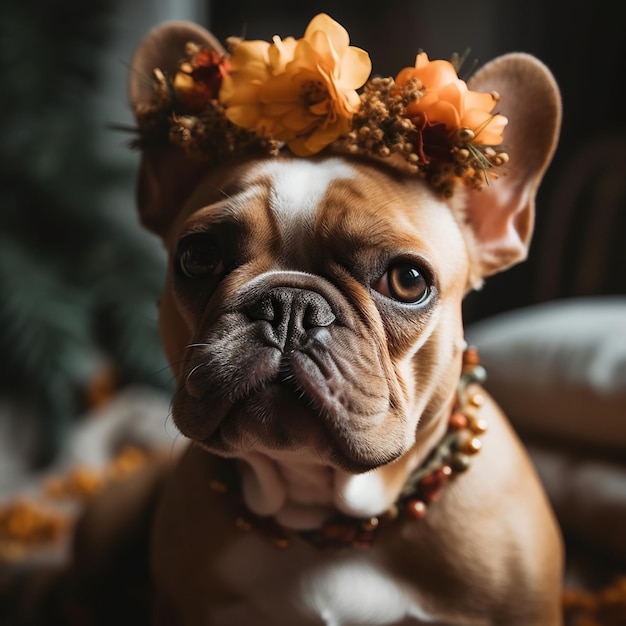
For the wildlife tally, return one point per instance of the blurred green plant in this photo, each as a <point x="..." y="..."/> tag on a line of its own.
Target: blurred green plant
<point x="79" y="279"/>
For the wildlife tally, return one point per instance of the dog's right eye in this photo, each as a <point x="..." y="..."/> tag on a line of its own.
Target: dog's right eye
<point x="404" y="281"/>
<point x="199" y="256"/>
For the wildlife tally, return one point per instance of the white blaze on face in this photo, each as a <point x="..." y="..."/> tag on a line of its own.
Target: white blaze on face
<point x="299" y="186"/>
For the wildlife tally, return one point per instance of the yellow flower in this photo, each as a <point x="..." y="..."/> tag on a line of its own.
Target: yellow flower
<point x="447" y="100"/>
<point x="302" y="92"/>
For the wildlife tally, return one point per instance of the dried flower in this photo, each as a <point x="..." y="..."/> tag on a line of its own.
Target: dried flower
<point x="199" y="79"/>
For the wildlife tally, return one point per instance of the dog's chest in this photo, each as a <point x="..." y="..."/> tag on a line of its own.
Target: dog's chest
<point x="298" y="585"/>
<point x="215" y="573"/>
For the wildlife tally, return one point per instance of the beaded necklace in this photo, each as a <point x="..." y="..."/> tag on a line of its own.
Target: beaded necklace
<point x="451" y="456"/>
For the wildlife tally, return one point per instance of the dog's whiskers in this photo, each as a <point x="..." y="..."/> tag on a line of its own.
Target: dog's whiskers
<point x="194" y="369"/>
<point x="224" y="193"/>
<point x="176" y="434"/>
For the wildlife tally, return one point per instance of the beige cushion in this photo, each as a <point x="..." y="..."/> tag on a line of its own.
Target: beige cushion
<point x="559" y="372"/>
<point x="559" y="369"/>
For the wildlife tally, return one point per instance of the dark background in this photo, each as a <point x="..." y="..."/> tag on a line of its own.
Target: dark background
<point x="79" y="279"/>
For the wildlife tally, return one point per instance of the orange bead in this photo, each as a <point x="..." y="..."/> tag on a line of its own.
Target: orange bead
<point x="471" y="356"/>
<point x="478" y="426"/>
<point x="445" y="470"/>
<point x="416" y="509"/>
<point x="458" y="421"/>
<point x="472" y="446"/>
<point x="477" y="399"/>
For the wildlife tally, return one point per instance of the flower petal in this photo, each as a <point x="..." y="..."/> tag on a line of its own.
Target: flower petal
<point x="479" y="100"/>
<point x="454" y="93"/>
<point x="246" y="116"/>
<point x="250" y="53"/>
<point x="305" y="58"/>
<point x="443" y="113"/>
<point x="234" y="93"/>
<point x="356" y="67"/>
<point x="276" y="109"/>
<point x="281" y="89"/>
<point x="437" y="74"/>
<point x="405" y="75"/>
<point x="488" y="128"/>
<point x="280" y="53"/>
<point x="326" y="53"/>
<point x="336" y="33"/>
<point x="421" y="60"/>
<point x="298" y="120"/>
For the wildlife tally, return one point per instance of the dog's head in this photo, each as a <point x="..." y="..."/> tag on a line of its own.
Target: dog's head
<point x="313" y="304"/>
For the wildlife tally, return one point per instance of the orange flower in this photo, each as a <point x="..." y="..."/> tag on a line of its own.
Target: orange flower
<point x="198" y="80"/>
<point x="447" y="100"/>
<point x="302" y="92"/>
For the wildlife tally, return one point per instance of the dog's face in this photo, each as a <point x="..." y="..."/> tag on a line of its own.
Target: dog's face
<point x="313" y="306"/>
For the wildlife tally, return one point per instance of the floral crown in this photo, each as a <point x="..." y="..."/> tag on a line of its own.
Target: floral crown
<point x="315" y="93"/>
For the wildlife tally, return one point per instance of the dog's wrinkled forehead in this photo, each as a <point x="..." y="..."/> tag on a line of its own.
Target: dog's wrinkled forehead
<point x="296" y="195"/>
<point x="297" y="211"/>
<point x="287" y="191"/>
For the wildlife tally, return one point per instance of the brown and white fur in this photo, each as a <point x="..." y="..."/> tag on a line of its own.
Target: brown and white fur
<point x="294" y="357"/>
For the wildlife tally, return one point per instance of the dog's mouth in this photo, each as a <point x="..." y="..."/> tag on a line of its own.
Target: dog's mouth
<point x="277" y="416"/>
<point x="294" y="409"/>
<point x="306" y="400"/>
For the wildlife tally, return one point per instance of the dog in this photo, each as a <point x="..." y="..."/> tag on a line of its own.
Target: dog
<point x="311" y="315"/>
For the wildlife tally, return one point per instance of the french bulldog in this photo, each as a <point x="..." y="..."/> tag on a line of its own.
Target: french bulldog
<point x="312" y="317"/>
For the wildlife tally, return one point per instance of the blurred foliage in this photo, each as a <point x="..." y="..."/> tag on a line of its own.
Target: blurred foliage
<point x="78" y="283"/>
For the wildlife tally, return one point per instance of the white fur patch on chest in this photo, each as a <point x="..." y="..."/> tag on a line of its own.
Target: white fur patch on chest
<point x="301" y="493"/>
<point x="357" y="591"/>
<point x="310" y="588"/>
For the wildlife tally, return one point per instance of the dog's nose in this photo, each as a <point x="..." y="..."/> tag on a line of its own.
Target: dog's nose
<point x="292" y="314"/>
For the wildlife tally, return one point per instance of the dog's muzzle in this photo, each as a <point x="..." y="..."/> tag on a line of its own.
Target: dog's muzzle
<point x="288" y="363"/>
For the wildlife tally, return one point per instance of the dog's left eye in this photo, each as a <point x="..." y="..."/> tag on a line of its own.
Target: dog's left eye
<point x="199" y="256"/>
<point x="404" y="282"/>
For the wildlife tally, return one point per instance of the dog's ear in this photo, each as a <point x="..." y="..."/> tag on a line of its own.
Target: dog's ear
<point x="164" y="173"/>
<point x="501" y="215"/>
